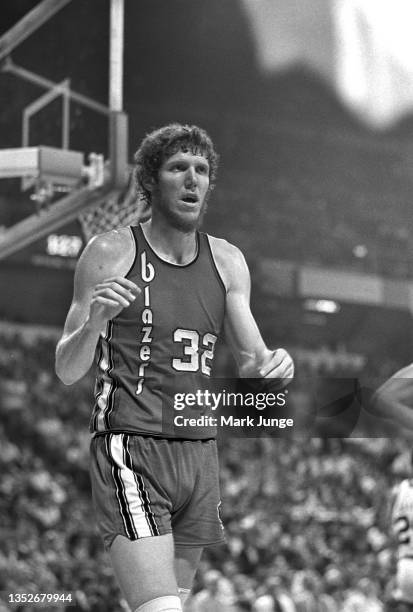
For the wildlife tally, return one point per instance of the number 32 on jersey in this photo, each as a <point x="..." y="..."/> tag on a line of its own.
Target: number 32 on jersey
<point x="197" y="351"/>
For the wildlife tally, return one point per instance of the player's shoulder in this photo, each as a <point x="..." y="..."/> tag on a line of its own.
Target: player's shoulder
<point x="229" y="260"/>
<point x="402" y="487"/>
<point x="222" y="247"/>
<point x="108" y="242"/>
<point x="405" y="372"/>
<point x="406" y="485"/>
<point x="107" y="254"/>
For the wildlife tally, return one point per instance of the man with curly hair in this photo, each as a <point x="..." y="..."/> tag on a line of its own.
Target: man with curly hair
<point x="149" y="305"/>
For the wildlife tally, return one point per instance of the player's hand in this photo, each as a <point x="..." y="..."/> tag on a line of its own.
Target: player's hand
<point x="109" y="298"/>
<point x="275" y="364"/>
<point x="279" y="364"/>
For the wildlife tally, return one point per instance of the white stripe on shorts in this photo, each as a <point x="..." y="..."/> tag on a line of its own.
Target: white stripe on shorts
<point x="130" y="499"/>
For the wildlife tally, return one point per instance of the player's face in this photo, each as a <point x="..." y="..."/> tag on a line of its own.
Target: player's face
<point x="181" y="190"/>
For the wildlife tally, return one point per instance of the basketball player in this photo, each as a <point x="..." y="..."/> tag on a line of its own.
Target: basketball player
<point x="393" y="401"/>
<point x="401" y="516"/>
<point x="149" y="304"/>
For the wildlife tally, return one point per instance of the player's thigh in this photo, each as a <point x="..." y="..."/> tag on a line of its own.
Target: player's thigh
<point x="144" y="568"/>
<point x="186" y="564"/>
<point x="196" y="523"/>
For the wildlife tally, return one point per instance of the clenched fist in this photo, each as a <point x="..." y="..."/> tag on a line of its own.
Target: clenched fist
<point x="109" y="298"/>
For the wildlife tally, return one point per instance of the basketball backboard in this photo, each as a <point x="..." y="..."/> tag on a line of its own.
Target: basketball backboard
<point x="64" y="186"/>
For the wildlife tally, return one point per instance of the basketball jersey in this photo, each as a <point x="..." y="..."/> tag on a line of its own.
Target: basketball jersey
<point x="161" y="346"/>
<point x="402" y="518"/>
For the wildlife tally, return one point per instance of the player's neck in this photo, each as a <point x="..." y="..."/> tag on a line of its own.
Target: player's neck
<point x="170" y="244"/>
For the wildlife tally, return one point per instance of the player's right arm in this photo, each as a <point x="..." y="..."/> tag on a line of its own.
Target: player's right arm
<point x="394" y="399"/>
<point x="101" y="291"/>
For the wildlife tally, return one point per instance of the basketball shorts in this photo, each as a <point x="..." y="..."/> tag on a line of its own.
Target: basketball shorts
<point x="404" y="581"/>
<point x="144" y="486"/>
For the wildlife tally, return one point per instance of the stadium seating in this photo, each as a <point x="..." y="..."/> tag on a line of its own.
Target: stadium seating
<point x="304" y="520"/>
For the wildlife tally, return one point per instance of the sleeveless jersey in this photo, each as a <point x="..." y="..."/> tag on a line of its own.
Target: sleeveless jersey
<point x="161" y="347"/>
<point x="402" y="518"/>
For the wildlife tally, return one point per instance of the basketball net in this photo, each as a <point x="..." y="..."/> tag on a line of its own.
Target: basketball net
<point x="122" y="209"/>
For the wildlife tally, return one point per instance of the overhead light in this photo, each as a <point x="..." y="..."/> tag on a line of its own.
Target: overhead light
<point x="325" y="306"/>
<point x="360" y="251"/>
<point x="65" y="246"/>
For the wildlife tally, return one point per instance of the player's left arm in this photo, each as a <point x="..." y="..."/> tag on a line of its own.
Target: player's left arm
<point x="393" y="400"/>
<point x="390" y="505"/>
<point x="253" y="357"/>
<point x="393" y="535"/>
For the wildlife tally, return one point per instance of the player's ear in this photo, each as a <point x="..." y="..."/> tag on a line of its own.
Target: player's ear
<point x="149" y="183"/>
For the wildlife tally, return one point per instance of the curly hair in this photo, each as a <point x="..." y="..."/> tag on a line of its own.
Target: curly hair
<point x="166" y="141"/>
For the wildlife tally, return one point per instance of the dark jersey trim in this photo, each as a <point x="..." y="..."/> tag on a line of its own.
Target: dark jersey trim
<point x="131" y="432"/>
<point x="111" y="365"/>
<point x="135" y="242"/>
<point x="214" y="265"/>
<point x="169" y="263"/>
<point x="98" y="387"/>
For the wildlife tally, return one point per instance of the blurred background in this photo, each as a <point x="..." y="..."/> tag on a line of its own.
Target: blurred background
<point x="310" y="105"/>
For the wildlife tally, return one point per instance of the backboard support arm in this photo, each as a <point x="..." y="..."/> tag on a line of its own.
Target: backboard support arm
<point x="39" y="225"/>
<point x="29" y="24"/>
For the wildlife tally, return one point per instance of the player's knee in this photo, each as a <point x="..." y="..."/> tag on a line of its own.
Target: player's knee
<point x="169" y="603"/>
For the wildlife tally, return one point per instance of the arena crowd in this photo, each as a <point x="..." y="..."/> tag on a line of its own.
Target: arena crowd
<point x="305" y="518"/>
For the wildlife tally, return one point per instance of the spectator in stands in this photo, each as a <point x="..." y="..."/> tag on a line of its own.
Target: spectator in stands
<point x="216" y="596"/>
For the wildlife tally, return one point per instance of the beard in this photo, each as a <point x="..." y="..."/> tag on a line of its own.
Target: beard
<point x="182" y="221"/>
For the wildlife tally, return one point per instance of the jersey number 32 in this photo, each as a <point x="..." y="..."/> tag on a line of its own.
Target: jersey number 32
<point x="198" y="352"/>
